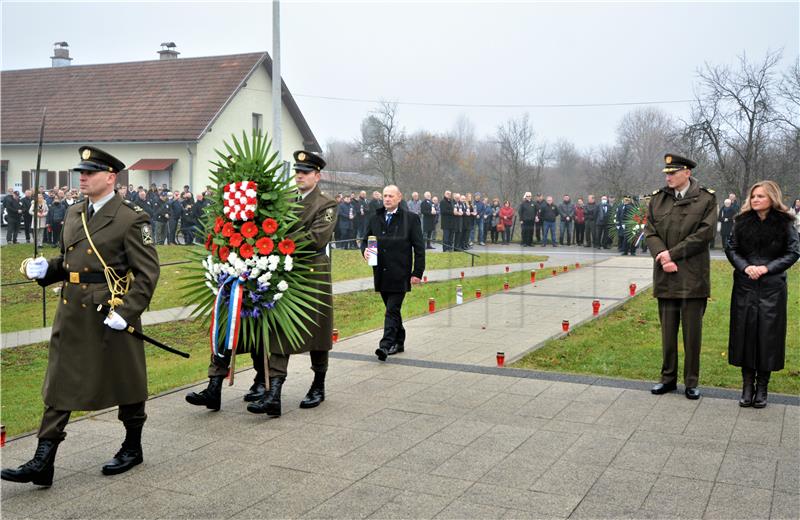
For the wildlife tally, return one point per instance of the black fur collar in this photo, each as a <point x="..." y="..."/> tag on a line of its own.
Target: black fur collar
<point x="766" y="238"/>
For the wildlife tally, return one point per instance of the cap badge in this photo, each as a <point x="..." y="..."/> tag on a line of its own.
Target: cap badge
<point x="86" y="154"/>
<point x="301" y="156"/>
<point x="668" y="159"/>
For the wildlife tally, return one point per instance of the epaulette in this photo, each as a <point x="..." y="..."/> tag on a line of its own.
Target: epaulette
<point x="656" y="192"/>
<point x="709" y="190"/>
<point x="130" y="205"/>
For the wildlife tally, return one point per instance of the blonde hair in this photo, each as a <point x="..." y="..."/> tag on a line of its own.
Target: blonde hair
<point x="773" y="192"/>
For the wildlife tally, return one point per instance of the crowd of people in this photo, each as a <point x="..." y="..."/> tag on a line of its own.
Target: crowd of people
<point x="173" y="214"/>
<point x="468" y="219"/>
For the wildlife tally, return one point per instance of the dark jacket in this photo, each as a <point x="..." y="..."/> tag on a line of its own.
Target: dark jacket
<point x="527" y="211"/>
<point x="57" y="213"/>
<point x="428" y="218"/>
<point x="590" y="210"/>
<point x="603" y="214"/>
<point x="446" y="213"/>
<point x="401" y="250"/>
<point x="163" y="211"/>
<point x="757" y="337"/>
<point x="686" y="228"/>
<point x="548" y="212"/>
<point x="13" y="208"/>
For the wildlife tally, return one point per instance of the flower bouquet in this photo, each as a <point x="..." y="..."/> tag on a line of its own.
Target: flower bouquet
<point x="251" y="282"/>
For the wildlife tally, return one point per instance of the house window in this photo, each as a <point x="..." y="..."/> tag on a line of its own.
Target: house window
<point x="258" y="123"/>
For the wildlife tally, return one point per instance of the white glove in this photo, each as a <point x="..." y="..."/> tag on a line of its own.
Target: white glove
<point x="36" y="268"/>
<point x="115" y="321"/>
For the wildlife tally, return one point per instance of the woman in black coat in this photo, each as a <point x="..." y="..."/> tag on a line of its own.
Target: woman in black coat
<point x="762" y="246"/>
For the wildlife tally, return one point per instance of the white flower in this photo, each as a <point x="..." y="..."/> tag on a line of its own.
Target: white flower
<point x="209" y="277"/>
<point x="288" y="263"/>
<point x="282" y="285"/>
<point x="264" y="278"/>
<point x="254" y="273"/>
<point x="277" y="297"/>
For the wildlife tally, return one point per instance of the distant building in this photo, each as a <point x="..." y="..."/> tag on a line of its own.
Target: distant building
<point x="163" y="118"/>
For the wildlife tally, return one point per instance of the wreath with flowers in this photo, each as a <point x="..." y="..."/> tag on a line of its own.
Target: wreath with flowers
<point x="252" y="279"/>
<point x="632" y="225"/>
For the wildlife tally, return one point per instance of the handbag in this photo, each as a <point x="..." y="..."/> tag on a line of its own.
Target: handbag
<point x="501" y="227"/>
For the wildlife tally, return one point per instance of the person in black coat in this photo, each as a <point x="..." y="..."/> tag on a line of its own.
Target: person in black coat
<point x="428" y="212"/>
<point x="725" y="219"/>
<point x="762" y="246"/>
<point x="401" y="262"/>
<point x="448" y="221"/>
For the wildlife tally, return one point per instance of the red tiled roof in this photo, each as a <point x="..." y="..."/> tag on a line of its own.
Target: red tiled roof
<point x="152" y="164"/>
<point x="159" y="100"/>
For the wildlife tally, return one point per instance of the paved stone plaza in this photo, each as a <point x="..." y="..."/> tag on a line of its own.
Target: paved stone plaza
<point x="439" y="432"/>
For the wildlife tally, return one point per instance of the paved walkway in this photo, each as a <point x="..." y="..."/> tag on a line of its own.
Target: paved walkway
<point x="437" y="432"/>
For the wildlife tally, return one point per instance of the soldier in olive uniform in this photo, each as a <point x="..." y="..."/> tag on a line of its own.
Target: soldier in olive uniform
<point x="317" y="220"/>
<point x="681" y="222"/>
<point x="93" y="363"/>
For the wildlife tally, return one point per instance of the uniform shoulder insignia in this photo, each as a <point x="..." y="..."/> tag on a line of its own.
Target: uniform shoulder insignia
<point x="136" y="208"/>
<point x="329" y="215"/>
<point x="656" y="192"/>
<point x="126" y="201"/>
<point x="709" y="190"/>
<point x="147" y="235"/>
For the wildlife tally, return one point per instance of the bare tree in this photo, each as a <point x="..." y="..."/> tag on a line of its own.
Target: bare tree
<point x="382" y="140"/>
<point x="734" y="111"/>
<point x="646" y="134"/>
<point x="517" y="149"/>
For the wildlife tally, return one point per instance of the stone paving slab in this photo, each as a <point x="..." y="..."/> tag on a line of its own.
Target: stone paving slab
<point x="498" y="451"/>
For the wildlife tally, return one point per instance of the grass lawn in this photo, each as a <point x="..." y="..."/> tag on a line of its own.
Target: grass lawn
<point x="627" y="343"/>
<point x="23" y="367"/>
<point x="21" y="305"/>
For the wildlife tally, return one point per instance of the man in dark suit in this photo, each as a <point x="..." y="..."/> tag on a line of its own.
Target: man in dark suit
<point x="399" y="235"/>
<point x="428" y="211"/>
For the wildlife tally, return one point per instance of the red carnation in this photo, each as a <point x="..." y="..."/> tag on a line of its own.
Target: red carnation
<point x="265" y="245"/>
<point x="269" y="226"/>
<point x="218" y="222"/>
<point x="214" y="248"/>
<point x="286" y="246"/>
<point x="208" y="242"/>
<point x="224" y="252"/>
<point x="249" y="229"/>
<point x="246" y="251"/>
<point x="236" y="239"/>
<point x="228" y="229"/>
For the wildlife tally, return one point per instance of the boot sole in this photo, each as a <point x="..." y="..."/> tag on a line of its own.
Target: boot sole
<point x="760" y="405"/>
<point x="200" y="403"/>
<point x="40" y="480"/>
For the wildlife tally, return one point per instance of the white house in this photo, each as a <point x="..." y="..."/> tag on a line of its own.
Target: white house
<point x="163" y="118"/>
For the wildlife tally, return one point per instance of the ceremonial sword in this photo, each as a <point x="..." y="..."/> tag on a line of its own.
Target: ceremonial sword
<point x="36" y="188"/>
<point x="138" y="334"/>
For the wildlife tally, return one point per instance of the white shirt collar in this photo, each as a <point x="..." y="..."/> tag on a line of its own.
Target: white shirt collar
<point x="102" y="202"/>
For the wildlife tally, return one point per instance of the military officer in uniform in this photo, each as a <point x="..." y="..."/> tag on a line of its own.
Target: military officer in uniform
<point x="94" y="363"/>
<point x="681" y="222"/>
<point x="317" y="220"/>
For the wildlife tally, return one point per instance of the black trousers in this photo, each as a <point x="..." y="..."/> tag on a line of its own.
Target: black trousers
<point x="12" y="231"/>
<point x="579" y="230"/>
<point x="447" y="240"/>
<point x="591" y="232"/>
<point x="54" y="421"/>
<point x="687" y="313"/>
<point x="393" y="331"/>
<point x="171" y="229"/>
<point x="527" y="233"/>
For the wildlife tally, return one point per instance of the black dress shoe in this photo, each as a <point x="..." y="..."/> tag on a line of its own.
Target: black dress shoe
<point x="382" y="353"/>
<point x="692" y="393"/>
<point x="395" y="349"/>
<point x="663" y="388"/>
<point x="125" y="459"/>
<point x="257" y="391"/>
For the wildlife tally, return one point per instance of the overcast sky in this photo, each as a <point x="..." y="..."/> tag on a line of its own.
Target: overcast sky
<point x="460" y="53"/>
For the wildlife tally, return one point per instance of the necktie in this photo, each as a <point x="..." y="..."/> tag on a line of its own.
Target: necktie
<point x="91" y="210"/>
<point x="680" y="196"/>
<point x="389" y="218"/>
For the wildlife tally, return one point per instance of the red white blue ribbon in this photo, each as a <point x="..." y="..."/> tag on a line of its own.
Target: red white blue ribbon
<point x="230" y="336"/>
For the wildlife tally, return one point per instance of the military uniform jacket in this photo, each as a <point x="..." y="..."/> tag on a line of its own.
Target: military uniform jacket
<point x="91" y="366"/>
<point x="686" y="228"/>
<point x="317" y="222"/>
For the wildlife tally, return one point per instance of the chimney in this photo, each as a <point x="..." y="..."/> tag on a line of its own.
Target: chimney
<point x="168" y="51"/>
<point x="60" y="57"/>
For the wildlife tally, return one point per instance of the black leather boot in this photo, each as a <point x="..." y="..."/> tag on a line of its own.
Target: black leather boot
<point x="316" y="394"/>
<point x="748" y="387"/>
<point x="129" y="455"/>
<point x="211" y="397"/>
<point x="257" y="392"/>
<point x="270" y="404"/>
<point x="762" y="381"/>
<point x="38" y="470"/>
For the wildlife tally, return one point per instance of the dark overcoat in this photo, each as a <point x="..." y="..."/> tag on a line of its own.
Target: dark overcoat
<point x="317" y="222"/>
<point x="446" y="213"/>
<point x="757" y="336"/>
<point x="91" y="366"/>
<point x="401" y="250"/>
<point x="686" y="228"/>
<point x="428" y="217"/>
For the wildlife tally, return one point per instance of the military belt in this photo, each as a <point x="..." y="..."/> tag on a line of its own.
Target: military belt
<point x="78" y="278"/>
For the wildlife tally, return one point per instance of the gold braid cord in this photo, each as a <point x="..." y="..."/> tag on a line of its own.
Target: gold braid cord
<point x="118" y="285"/>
